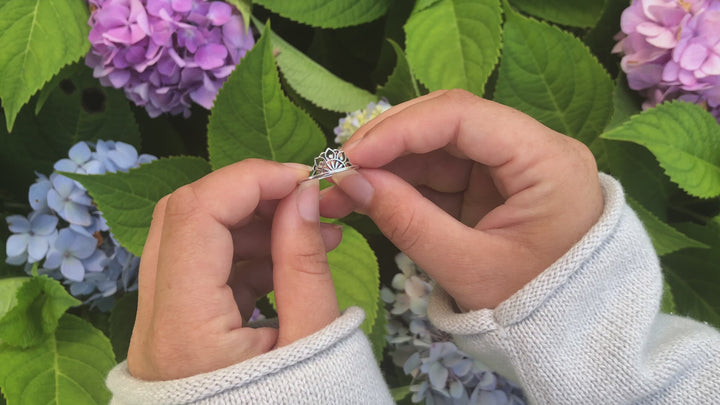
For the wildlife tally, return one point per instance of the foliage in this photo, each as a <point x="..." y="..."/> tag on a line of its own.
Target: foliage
<point x="313" y="62"/>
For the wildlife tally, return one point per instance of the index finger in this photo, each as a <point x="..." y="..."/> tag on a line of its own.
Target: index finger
<point x="462" y="123"/>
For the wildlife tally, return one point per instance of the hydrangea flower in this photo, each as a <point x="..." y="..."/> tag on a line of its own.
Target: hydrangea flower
<point x="441" y="372"/>
<point x="67" y="253"/>
<point x="354" y="120"/>
<point x="69" y="200"/>
<point x="66" y="234"/>
<point x="32" y="237"/>
<point x="166" y="54"/>
<point x="669" y="51"/>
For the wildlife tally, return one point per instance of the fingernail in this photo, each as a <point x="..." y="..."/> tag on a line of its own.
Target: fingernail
<point x="351" y="144"/>
<point x="298" y="166"/>
<point x="308" y="199"/>
<point x="355" y="185"/>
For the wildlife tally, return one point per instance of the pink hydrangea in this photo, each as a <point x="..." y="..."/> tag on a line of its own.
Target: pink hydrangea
<point x="166" y="54"/>
<point x="671" y="50"/>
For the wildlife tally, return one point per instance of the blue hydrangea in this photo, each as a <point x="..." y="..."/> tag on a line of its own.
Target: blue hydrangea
<point x="67" y="236"/>
<point x="441" y="372"/>
<point x="32" y="237"/>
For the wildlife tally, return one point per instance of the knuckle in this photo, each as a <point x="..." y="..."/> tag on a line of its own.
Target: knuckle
<point x="404" y="227"/>
<point x="460" y="96"/>
<point x="311" y="263"/>
<point x="159" y="210"/>
<point x="181" y="202"/>
<point x="583" y="154"/>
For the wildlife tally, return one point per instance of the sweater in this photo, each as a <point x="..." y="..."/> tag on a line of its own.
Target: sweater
<point x="587" y="330"/>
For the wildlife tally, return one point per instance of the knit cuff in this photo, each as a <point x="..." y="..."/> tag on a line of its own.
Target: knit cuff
<point x="333" y="365"/>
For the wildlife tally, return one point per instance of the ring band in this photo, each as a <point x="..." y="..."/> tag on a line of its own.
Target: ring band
<point x="328" y="163"/>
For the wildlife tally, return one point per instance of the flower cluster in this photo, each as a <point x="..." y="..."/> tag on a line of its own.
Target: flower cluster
<point x="65" y="234"/>
<point x="442" y="373"/>
<point x="166" y="53"/>
<point x="354" y="120"/>
<point x="671" y="51"/>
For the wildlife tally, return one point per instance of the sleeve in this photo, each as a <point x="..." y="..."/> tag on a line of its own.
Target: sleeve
<point x="588" y="329"/>
<point x="332" y="366"/>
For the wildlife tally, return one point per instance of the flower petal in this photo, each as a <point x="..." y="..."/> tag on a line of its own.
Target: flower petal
<point x="17" y="244"/>
<point x="124" y="155"/>
<point x="18" y="224"/>
<point x="37" y="248"/>
<point x="219" y="13"/>
<point x="72" y="269"/>
<point x="76" y="214"/>
<point x="211" y="56"/>
<point x="44" y="224"/>
<point x="83" y="246"/>
<point x="37" y="194"/>
<point x="80" y="152"/>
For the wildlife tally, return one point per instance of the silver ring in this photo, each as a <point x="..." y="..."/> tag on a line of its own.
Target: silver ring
<point x="330" y="162"/>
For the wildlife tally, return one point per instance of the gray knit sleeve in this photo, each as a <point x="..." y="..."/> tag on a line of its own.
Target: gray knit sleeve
<point x="333" y="366"/>
<point x="588" y="329"/>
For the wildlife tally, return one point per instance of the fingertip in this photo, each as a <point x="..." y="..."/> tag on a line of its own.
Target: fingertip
<point x="331" y="235"/>
<point x="356" y="186"/>
<point x="334" y="203"/>
<point x="301" y="170"/>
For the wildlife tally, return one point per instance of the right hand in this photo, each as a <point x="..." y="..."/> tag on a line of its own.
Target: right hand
<point x="481" y="196"/>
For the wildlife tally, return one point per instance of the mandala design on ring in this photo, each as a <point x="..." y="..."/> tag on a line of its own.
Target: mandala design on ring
<point x="330" y="162"/>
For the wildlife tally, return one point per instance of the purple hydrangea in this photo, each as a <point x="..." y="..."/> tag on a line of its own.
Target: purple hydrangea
<point x="166" y="54"/>
<point x="67" y="236"/>
<point x="671" y="50"/>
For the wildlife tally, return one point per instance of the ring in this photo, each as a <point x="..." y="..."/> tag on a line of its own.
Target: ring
<point x="330" y="162"/>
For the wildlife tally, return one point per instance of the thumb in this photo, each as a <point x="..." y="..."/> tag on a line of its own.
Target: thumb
<point x="452" y="253"/>
<point x="304" y="290"/>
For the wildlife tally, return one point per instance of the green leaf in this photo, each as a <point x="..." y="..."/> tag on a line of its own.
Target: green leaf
<point x="122" y="320"/>
<point x="38" y="38"/>
<point x="78" y="109"/>
<point x="378" y="333"/>
<point x="8" y="293"/>
<point x="401" y="85"/>
<point x="127" y="199"/>
<point x="641" y="176"/>
<point x="315" y="83"/>
<point x="566" y="12"/>
<point x="399" y="393"/>
<point x="683" y="137"/>
<point x="41" y="301"/>
<point x="69" y="367"/>
<point x="694" y="275"/>
<point x="601" y="39"/>
<point x="665" y="238"/>
<point x="356" y="275"/>
<point x="252" y="118"/>
<point x="328" y="13"/>
<point x="552" y="76"/>
<point x="626" y="103"/>
<point x="454" y="43"/>
<point x="667" y="303"/>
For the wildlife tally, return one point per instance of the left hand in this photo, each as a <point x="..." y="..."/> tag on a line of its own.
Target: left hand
<point x="214" y="247"/>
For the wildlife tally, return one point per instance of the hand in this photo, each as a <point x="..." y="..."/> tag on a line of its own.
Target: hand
<point x="214" y="247"/>
<point x="479" y="195"/>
